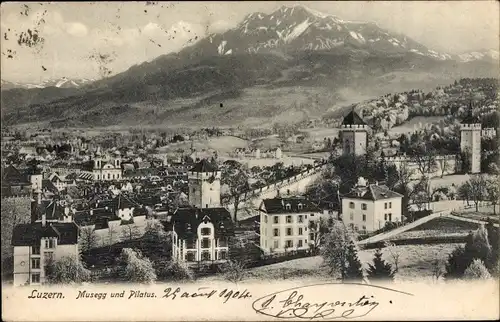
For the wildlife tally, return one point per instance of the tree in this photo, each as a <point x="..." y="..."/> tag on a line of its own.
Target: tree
<point x="235" y="176"/>
<point x="393" y="253"/>
<point x="88" y="238"/>
<point x="380" y="269"/>
<point x="130" y="232"/>
<point x="135" y="267"/>
<point x="233" y="271"/>
<point x="477" y="270"/>
<point x="340" y="254"/>
<point x="111" y="234"/>
<point x="464" y="192"/>
<point x="477" y="187"/>
<point x="318" y="230"/>
<point x="444" y="165"/>
<point x="493" y="192"/>
<point x="493" y="240"/>
<point x="425" y="159"/>
<point x="67" y="270"/>
<point x="476" y="247"/>
<point x="354" y="270"/>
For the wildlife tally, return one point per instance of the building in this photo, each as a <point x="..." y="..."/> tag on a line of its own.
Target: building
<point x="201" y="235"/>
<point x="37" y="244"/>
<point x="201" y="230"/>
<point x="204" y="185"/>
<point x="106" y="168"/>
<point x="470" y="141"/>
<point x="368" y="207"/>
<point x="284" y="224"/>
<point x="489" y="133"/>
<point x="15" y="183"/>
<point x="354" y="134"/>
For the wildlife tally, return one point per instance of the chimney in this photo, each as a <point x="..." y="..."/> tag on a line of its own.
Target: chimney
<point x="44" y="220"/>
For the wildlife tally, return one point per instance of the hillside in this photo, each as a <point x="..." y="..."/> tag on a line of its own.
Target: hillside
<point x="287" y="66"/>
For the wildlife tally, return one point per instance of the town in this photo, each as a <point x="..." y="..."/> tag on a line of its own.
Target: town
<point x="150" y="205"/>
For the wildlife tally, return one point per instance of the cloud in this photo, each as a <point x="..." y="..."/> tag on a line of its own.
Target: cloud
<point x="220" y="26"/>
<point x="76" y="29"/>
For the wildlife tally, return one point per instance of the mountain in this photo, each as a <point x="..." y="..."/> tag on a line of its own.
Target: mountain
<point x="487" y="55"/>
<point x="287" y="66"/>
<point x="299" y="28"/>
<point x="59" y="83"/>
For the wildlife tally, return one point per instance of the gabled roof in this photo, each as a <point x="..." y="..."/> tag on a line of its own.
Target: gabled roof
<point x="353" y="119"/>
<point x="470" y="119"/>
<point x="277" y="206"/>
<point x="12" y="176"/>
<point x="373" y="192"/>
<point x="204" y="166"/>
<point x="31" y="234"/>
<point x="186" y="221"/>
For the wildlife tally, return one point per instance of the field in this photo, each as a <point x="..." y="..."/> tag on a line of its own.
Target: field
<point x="414" y="124"/>
<point x="221" y="144"/>
<point x="415" y="264"/>
<point x="439" y="227"/>
<point x="321" y="133"/>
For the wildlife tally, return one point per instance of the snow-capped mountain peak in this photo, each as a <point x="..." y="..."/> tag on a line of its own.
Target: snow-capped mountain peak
<point x="63" y="82"/>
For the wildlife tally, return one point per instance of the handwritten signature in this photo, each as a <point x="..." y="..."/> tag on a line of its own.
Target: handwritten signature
<point x="301" y="302"/>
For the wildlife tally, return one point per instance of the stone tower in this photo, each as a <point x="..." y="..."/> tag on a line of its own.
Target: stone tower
<point x="204" y="185"/>
<point x="470" y="141"/>
<point x="354" y="134"/>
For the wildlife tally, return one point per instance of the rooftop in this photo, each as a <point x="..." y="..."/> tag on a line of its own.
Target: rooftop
<point x="31" y="234"/>
<point x="204" y="166"/>
<point x="288" y="205"/>
<point x="373" y="192"/>
<point x="353" y="119"/>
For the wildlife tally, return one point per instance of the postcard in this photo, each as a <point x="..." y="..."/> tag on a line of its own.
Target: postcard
<point x="250" y="161"/>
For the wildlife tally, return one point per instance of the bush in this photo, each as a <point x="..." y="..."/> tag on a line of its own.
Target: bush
<point x="233" y="271"/>
<point x="477" y="270"/>
<point x="135" y="267"/>
<point x="67" y="270"/>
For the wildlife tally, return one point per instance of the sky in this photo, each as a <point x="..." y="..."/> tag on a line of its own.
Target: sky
<point x="94" y="40"/>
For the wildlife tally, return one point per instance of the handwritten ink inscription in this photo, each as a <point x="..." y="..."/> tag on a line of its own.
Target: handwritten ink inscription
<point x="321" y="302"/>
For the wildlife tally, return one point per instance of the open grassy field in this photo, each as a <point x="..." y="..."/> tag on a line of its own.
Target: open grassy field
<point x="439" y="227"/>
<point x="414" y="124"/>
<point x="415" y="264"/>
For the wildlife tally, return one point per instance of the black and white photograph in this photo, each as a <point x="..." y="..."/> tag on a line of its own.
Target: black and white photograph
<point x="250" y="160"/>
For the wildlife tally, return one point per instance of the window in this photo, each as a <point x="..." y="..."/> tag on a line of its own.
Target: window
<point x="276" y="244"/>
<point x="289" y="231"/>
<point x="223" y="255"/>
<point x="205" y="256"/>
<point x="351" y="205"/>
<point x="265" y="219"/>
<point x="288" y="219"/>
<point x="300" y="243"/>
<point x="205" y="243"/>
<point x="223" y="242"/>
<point x="190" y="243"/>
<point x="301" y="219"/>
<point x="390" y="205"/>
<point x="193" y="190"/>
<point x="288" y="206"/>
<point x="109" y="176"/>
<point x="276" y="219"/>
<point x="205" y="231"/>
<point x="190" y="257"/>
<point x="385" y="205"/>
<point x="276" y="232"/>
<point x="289" y="243"/>
<point x="300" y="231"/>
<point x="35" y="250"/>
<point x="35" y="263"/>
<point x="385" y="216"/>
<point x="390" y="217"/>
<point x="35" y="278"/>
<point x="363" y="206"/>
<point x="300" y="206"/>
<point x="364" y="217"/>
<point x="351" y="216"/>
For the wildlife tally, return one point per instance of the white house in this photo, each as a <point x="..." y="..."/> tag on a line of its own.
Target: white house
<point x="284" y="224"/>
<point x="201" y="235"/>
<point x="37" y="244"/>
<point x="369" y="206"/>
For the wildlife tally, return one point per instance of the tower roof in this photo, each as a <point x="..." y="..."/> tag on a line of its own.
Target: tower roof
<point x="204" y="166"/>
<point x="353" y="119"/>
